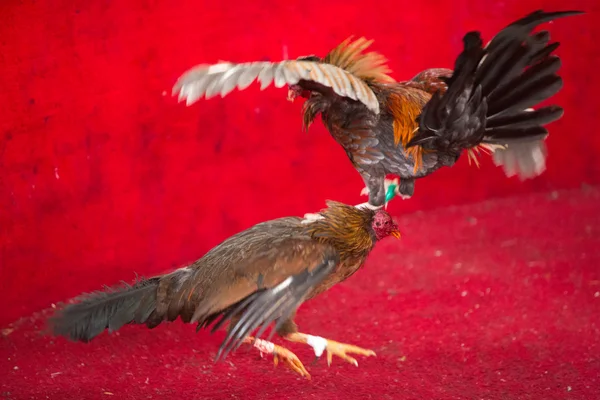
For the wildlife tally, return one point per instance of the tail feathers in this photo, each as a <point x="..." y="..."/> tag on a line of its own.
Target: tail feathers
<point x="535" y="85"/>
<point x="519" y="72"/>
<point x="515" y="48"/>
<point x="522" y="123"/>
<point x="523" y="159"/>
<point x="491" y="88"/>
<point x="110" y="309"/>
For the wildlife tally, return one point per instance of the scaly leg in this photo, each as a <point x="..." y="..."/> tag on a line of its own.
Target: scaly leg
<point x="279" y="354"/>
<point x="320" y="344"/>
<point x="406" y="188"/>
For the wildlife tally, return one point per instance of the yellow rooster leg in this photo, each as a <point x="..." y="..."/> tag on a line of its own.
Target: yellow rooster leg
<point x="333" y="348"/>
<point x="280" y="354"/>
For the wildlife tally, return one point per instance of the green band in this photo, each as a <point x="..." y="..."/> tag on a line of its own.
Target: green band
<point x="391" y="192"/>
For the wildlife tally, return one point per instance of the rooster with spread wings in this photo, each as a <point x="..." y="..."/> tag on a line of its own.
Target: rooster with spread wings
<point x="410" y="129"/>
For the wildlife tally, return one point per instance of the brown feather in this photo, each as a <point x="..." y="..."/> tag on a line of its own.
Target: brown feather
<point x="429" y="80"/>
<point x="349" y="55"/>
<point x="311" y="108"/>
<point x="405" y="105"/>
<point x="260" y="257"/>
<point x="344" y="227"/>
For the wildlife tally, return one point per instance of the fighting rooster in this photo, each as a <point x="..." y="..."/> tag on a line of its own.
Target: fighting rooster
<point x="250" y="280"/>
<point x="410" y="129"/>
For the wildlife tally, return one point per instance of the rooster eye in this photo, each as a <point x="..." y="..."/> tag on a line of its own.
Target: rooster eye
<point x="377" y="224"/>
<point x="387" y="222"/>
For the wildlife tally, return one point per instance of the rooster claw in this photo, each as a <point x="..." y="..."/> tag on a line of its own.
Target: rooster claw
<point x="341" y="350"/>
<point x="290" y="360"/>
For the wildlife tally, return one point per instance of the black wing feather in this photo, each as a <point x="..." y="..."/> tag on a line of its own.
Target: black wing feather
<point x="261" y="308"/>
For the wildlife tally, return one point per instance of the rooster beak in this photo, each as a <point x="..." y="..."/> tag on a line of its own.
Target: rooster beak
<point x="396" y="233"/>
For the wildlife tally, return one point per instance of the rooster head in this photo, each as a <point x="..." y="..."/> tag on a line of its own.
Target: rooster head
<point x="383" y="225"/>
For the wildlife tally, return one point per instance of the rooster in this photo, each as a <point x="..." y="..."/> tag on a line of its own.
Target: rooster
<point x="410" y="129"/>
<point x="254" y="278"/>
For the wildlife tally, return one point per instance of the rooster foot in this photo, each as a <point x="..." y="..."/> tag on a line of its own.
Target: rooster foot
<point x="280" y="355"/>
<point x="332" y="348"/>
<point x="341" y="350"/>
<point x="308" y="218"/>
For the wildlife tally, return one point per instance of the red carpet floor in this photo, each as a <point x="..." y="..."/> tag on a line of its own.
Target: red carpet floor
<point x="499" y="300"/>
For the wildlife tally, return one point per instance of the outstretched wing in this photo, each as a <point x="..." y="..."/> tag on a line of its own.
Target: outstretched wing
<point x="263" y="307"/>
<point x="222" y="78"/>
<point x="346" y="71"/>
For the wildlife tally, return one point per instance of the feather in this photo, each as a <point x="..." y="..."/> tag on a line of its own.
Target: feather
<point x="524" y="159"/>
<point x="525" y="119"/>
<point x="350" y="56"/>
<point x="261" y="308"/>
<point x="490" y="89"/>
<point x="222" y="78"/>
<point x="110" y="309"/>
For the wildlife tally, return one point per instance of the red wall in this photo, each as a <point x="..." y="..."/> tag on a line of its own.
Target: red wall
<point x="104" y="174"/>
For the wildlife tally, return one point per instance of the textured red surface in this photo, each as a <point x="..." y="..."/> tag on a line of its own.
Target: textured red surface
<point x="499" y="300"/>
<point x="103" y="174"/>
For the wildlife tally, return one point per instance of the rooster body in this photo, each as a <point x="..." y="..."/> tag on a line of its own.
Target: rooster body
<point x="410" y="129"/>
<point x="251" y="279"/>
<point x="371" y="141"/>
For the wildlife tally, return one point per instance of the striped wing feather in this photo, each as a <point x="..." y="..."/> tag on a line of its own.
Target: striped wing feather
<point x="222" y="78"/>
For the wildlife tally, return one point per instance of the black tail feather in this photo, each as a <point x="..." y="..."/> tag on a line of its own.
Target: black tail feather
<point x="528" y="96"/>
<point x="491" y="88"/>
<point x="536" y="84"/>
<point x="509" y="134"/>
<point x="544" y="52"/>
<point x="525" y="119"/>
<point x="528" y="84"/>
<point x="501" y="66"/>
<point x="110" y="309"/>
<point x="521" y="74"/>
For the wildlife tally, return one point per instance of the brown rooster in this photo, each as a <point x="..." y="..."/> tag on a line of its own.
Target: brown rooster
<point x="410" y="129"/>
<point x="251" y="279"/>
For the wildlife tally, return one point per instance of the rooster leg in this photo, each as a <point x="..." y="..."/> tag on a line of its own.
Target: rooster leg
<point x="406" y="188"/>
<point x="333" y="348"/>
<point x="376" y="186"/>
<point x="280" y="354"/>
<point x="398" y="189"/>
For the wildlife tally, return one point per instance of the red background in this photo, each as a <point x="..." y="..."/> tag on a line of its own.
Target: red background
<point x="103" y="174"/>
